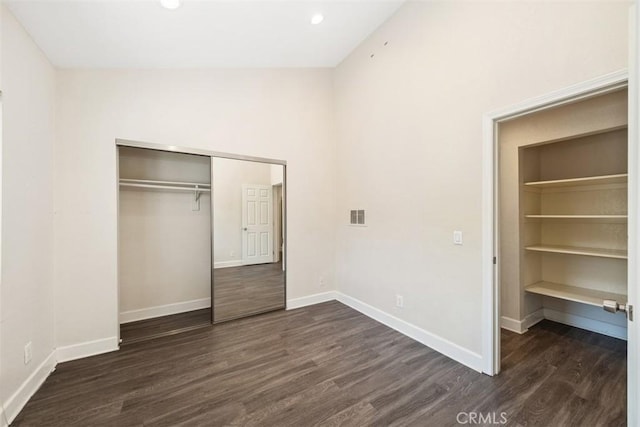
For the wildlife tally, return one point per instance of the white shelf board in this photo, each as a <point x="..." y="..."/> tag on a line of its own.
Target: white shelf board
<point x="574" y="250"/>
<point x="574" y="182"/>
<point x="590" y="218"/>
<point x="574" y="293"/>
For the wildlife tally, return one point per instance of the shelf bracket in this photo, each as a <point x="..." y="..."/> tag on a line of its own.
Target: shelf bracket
<point x="613" y="307"/>
<point x="195" y="206"/>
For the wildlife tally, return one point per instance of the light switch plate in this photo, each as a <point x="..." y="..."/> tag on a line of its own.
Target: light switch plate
<point x="28" y="353"/>
<point x="457" y="237"/>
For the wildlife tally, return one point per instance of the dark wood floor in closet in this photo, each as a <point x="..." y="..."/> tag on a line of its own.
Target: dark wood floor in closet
<point x="328" y="364"/>
<point x="246" y="290"/>
<point x="166" y="325"/>
<point x="239" y="291"/>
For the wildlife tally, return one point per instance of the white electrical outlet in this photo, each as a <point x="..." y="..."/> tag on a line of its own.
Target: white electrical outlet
<point x="321" y="281"/>
<point x="399" y="301"/>
<point x="28" y="352"/>
<point x="457" y="237"/>
<point x="232" y="254"/>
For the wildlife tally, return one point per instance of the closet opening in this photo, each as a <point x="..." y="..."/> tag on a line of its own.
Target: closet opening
<point x="164" y="235"/>
<point x="562" y="230"/>
<point x="201" y="238"/>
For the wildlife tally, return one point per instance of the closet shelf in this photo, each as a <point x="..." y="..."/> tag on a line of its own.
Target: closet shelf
<point x="575" y="250"/>
<point x="166" y="185"/>
<point x="590" y="218"/>
<point x="574" y="293"/>
<point x="574" y="182"/>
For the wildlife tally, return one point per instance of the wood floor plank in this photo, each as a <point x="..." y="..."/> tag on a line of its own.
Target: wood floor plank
<point x="238" y="292"/>
<point x="360" y="414"/>
<point x="330" y="365"/>
<point x="246" y="290"/>
<point x="273" y="406"/>
<point x="143" y="330"/>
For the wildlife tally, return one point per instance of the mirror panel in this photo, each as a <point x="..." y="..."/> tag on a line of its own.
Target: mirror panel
<point x="248" y="238"/>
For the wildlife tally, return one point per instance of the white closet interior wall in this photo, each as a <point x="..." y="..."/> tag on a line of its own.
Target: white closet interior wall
<point x="595" y="153"/>
<point x="164" y="245"/>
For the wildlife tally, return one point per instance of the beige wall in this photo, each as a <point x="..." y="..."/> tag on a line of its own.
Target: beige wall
<point x="281" y="114"/>
<point x="26" y="307"/>
<point x="409" y="125"/>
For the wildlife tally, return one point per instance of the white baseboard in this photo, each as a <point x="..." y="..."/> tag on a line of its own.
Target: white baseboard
<point x="439" y="344"/>
<point x="86" y="349"/>
<point x="521" y="326"/>
<point x="225" y="264"/>
<point x="598" y="326"/>
<point x="311" y="300"/>
<point x="512" y="325"/>
<point x="164" y="310"/>
<point x="19" y="399"/>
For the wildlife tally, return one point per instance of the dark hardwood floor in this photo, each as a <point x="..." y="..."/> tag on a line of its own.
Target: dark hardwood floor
<point x="238" y="292"/>
<point x="246" y="290"/>
<point x="144" y="330"/>
<point x="330" y="365"/>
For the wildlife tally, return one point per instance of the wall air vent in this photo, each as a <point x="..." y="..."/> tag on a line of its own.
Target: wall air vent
<point x="357" y="217"/>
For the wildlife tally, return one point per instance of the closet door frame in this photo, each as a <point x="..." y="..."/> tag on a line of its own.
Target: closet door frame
<point x="490" y="220"/>
<point x="211" y="219"/>
<point x="118" y="243"/>
<point x="490" y="238"/>
<point x="211" y="154"/>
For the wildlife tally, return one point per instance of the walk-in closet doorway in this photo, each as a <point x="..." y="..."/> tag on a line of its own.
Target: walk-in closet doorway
<point x="560" y="238"/>
<point x="201" y="238"/>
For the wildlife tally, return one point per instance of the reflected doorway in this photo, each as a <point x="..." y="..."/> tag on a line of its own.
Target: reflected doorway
<point x="249" y="249"/>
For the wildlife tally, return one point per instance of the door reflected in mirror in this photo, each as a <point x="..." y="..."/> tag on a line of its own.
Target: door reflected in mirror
<point x="248" y="238"/>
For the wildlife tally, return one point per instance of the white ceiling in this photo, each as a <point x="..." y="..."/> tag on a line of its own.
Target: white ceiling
<point x="232" y="33"/>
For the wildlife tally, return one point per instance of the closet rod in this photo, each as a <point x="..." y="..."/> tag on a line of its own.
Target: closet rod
<point x="166" y="187"/>
<point x="153" y="182"/>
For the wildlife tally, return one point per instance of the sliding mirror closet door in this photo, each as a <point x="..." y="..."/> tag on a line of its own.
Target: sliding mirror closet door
<point x="248" y="224"/>
<point x="164" y="242"/>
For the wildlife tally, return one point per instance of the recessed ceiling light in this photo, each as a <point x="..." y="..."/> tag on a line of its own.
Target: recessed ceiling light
<point x="170" y="4"/>
<point x="317" y="18"/>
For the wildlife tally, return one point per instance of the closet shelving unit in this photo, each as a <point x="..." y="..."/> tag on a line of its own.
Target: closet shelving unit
<point x="574" y="293"/>
<point x="606" y="213"/>
<point x="620" y="178"/>
<point x="594" y="218"/>
<point x="575" y="250"/>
